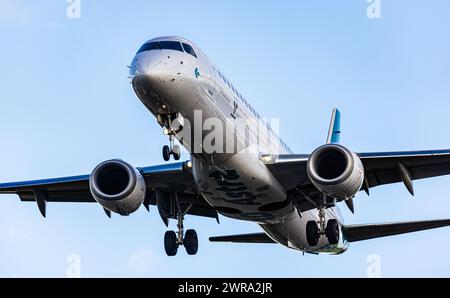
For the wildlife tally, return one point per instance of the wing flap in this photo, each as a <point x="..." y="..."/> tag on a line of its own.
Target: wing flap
<point x="288" y="169"/>
<point x="354" y="233"/>
<point x="60" y="197"/>
<point x="245" y="238"/>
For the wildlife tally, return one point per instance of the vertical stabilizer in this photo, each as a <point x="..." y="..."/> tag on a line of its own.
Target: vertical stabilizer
<point x="334" y="133"/>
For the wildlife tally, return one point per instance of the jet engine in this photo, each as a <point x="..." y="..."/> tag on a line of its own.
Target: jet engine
<point x="336" y="171"/>
<point x="118" y="186"/>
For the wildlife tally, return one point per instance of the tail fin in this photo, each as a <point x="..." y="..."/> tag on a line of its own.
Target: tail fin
<point x="334" y="133"/>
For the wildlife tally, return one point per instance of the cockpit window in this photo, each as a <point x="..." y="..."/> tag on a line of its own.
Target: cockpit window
<point x="188" y="49"/>
<point x="170" y="45"/>
<point x="148" y="47"/>
<point x="161" y="45"/>
<point x="167" y="45"/>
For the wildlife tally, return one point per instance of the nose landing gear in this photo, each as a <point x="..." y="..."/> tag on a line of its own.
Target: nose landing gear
<point x="172" y="124"/>
<point x="172" y="149"/>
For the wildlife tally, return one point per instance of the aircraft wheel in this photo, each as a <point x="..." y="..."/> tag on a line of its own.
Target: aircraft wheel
<point x="166" y="153"/>
<point x="176" y="152"/>
<point x="170" y="243"/>
<point x="190" y="242"/>
<point x="332" y="231"/>
<point x="312" y="233"/>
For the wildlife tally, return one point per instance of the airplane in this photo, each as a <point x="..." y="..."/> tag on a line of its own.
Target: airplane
<point x="293" y="197"/>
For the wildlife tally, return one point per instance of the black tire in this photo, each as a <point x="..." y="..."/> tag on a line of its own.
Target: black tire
<point x="332" y="231"/>
<point x="170" y="243"/>
<point x="191" y="242"/>
<point x="312" y="233"/>
<point x="166" y="153"/>
<point x="176" y="152"/>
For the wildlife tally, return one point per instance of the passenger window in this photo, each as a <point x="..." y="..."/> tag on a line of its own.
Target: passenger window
<point x="188" y="49"/>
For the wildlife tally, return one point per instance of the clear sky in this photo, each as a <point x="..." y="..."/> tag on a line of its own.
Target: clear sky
<point x="66" y="105"/>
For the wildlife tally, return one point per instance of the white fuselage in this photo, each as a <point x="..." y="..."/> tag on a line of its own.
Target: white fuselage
<point x="236" y="183"/>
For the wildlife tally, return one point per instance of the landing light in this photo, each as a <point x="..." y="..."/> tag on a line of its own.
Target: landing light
<point x="165" y="131"/>
<point x="266" y="158"/>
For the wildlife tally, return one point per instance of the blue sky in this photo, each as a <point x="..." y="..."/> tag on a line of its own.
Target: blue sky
<point x="66" y="105"/>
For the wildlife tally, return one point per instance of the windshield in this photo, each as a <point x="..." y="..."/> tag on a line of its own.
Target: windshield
<point x="161" y="45"/>
<point x="167" y="45"/>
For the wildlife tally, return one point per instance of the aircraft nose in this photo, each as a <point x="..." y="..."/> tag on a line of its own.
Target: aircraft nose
<point x="150" y="66"/>
<point x="139" y="66"/>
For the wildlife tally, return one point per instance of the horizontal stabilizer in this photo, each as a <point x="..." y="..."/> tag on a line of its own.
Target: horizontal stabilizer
<point x="355" y="233"/>
<point x="247" y="238"/>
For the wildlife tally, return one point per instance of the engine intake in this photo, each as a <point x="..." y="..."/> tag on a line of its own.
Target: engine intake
<point x="336" y="171"/>
<point x="118" y="186"/>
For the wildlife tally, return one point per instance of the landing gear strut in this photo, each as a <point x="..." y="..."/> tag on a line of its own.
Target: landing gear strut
<point x="172" y="240"/>
<point x="172" y="124"/>
<point x="314" y="229"/>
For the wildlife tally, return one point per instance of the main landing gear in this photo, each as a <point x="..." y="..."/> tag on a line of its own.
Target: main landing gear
<point x="316" y="229"/>
<point x="172" y="240"/>
<point x="173" y="124"/>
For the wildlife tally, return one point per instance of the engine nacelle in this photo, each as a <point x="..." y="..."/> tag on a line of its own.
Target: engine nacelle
<point x="118" y="186"/>
<point x="336" y="171"/>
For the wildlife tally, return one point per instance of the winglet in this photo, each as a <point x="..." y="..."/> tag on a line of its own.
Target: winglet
<point x="334" y="132"/>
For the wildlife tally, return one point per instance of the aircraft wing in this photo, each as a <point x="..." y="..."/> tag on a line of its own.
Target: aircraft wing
<point x="383" y="168"/>
<point x="380" y="168"/>
<point x="169" y="178"/>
